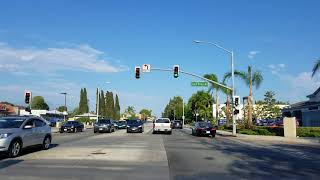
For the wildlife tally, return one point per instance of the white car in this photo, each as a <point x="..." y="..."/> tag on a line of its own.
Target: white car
<point x="162" y="125"/>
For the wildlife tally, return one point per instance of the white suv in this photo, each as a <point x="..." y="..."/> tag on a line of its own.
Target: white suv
<point x="19" y="132"/>
<point x="162" y="125"/>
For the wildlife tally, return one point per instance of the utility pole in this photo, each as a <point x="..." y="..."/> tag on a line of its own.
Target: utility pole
<point x="65" y="105"/>
<point x="183" y="113"/>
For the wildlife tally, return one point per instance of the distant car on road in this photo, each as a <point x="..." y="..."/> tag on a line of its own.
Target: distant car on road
<point x="122" y="124"/>
<point x="176" y="124"/>
<point x="162" y="125"/>
<point x="135" y="126"/>
<point x="19" y="132"/>
<point x="104" y="125"/>
<point x="203" y="129"/>
<point x="72" y="126"/>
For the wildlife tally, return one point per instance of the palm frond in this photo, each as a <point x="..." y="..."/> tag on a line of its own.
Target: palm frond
<point x="257" y="79"/>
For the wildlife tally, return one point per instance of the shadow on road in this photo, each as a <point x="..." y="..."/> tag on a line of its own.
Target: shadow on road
<point x="28" y="150"/>
<point x="8" y="163"/>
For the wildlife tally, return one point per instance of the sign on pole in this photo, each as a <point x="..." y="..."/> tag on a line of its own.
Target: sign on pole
<point x="146" y="68"/>
<point x="199" y="84"/>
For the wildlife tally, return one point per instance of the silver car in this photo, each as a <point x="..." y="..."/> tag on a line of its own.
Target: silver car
<point x="20" y="132"/>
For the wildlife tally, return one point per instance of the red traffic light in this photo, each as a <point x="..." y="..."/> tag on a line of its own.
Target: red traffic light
<point x="27" y="97"/>
<point x="137" y="70"/>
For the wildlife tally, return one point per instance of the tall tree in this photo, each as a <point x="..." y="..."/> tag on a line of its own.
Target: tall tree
<point x="102" y="104"/>
<point x="109" y="105"/>
<point x="173" y="109"/>
<point x="316" y="67"/>
<point x="86" y="101"/>
<point x="81" y="103"/>
<point x="250" y="78"/>
<point x="38" y="103"/>
<point x="117" y="109"/>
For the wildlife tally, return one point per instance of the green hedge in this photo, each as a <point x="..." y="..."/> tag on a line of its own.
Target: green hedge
<point x="308" y="132"/>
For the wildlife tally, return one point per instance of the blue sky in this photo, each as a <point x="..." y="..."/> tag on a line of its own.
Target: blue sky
<point x="53" y="46"/>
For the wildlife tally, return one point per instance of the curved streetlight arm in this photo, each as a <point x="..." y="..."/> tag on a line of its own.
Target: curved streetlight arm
<point x="215" y="44"/>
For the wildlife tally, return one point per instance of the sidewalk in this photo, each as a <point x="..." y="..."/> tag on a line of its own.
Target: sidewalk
<point x="306" y="140"/>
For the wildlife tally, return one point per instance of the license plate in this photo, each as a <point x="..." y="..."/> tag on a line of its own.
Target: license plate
<point x="65" y="129"/>
<point x="100" y="129"/>
<point x="208" y="132"/>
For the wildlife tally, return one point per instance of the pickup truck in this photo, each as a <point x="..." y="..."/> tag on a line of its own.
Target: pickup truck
<point x="162" y="125"/>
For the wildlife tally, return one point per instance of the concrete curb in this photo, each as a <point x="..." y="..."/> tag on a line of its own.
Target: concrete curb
<point x="271" y="138"/>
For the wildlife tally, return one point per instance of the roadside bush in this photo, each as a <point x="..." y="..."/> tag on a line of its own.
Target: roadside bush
<point x="248" y="132"/>
<point x="308" y="131"/>
<point x="84" y="120"/>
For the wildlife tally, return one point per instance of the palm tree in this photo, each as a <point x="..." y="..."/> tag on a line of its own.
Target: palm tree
<point x="251" y="79"/>
<point x="216" y="88"/>
<point x="316" y="67"/>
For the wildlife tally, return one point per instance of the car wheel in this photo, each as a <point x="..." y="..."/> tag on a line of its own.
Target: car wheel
<point x="14" y="149"/>
<point x="213" y="135"/>
<point x="94" y="131"/>
<point x="192" y="133"/>
<point x="46" y="143"/>
<point x="170" y="132"/>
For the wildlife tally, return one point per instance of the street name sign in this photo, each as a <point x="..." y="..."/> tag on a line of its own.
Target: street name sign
<point x="199" y="84"/>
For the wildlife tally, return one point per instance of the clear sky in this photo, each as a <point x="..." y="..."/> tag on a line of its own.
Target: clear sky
<point x="50" y="47"/>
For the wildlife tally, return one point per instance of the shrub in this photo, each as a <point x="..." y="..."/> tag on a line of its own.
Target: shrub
<point x="308" y="131"/>
<point x="248" y="132"/>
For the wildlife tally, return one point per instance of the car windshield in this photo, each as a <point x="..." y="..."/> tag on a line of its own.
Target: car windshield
<point x="11" y="123"/>
<point x="205" y="124"/>
<point x="104" y="121"/>
<point x="162" y="121"/>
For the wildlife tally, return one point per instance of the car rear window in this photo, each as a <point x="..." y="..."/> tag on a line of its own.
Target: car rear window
<point x="134" y="122"/>
<point x="205" y="124"/>
<point x="162" y="121"/>
<point x="104" y="121"/>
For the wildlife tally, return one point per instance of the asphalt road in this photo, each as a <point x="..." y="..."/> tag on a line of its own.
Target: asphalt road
<point x="154" y="156"/>
<point x="193" y="157"/>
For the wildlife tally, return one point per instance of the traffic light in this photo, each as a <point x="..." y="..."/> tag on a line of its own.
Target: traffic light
<point x="236" y="101"/>
<point x="27" y="97"/>
<point x="176" y="71"/>
<point x="137" y="70"/>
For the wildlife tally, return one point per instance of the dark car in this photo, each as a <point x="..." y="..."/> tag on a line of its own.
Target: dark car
<point x="122" y="124"/>
<point x="203" y="129"/>
<point x="104" y="125"/>
<point x="72" y="126"/>
<point x="177" y="124"/>
<point x="134" y="126"/>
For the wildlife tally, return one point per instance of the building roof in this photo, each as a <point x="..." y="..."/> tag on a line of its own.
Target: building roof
<point x="314" y="94"/>
<point x="302" y="104"/>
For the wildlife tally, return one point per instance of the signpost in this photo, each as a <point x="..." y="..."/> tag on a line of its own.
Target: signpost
<point x="146" y="68"/>
<point x="199" y="84"/>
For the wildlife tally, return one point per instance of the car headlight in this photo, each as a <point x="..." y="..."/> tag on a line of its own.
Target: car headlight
<point x="72" y="126"/>
<point x="5" y="135"/>
<point x="128" y="126"/>
<point x="140" y="126"/>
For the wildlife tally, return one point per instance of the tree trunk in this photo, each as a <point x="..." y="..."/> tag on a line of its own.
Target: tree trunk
<point x="250" y="105"/>
<point x="228" y="111"/>
<point x="217" y="106"/>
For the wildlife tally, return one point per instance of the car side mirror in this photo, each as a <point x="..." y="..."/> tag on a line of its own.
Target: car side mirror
<point x="27" y="127"/>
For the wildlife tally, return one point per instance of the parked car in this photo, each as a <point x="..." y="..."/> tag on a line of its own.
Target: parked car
<point x="176" y="124"/>
<point x="19" y="132"/>
<point x="72" y="126"/>
<point x="122" y="124"/>
<point x="104" y="125"/>
<point x="162" y="125"/>
<point x="203" y="129"/>
<point x="135" y="126"/>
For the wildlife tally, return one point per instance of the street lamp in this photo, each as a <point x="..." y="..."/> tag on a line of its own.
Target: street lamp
<point x="232" y="72"/>
<point x="65" y="104"/>
<point x="98" y="99"/>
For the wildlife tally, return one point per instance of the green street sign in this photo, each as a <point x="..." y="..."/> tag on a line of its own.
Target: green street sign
<point x="199" y="84"/>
